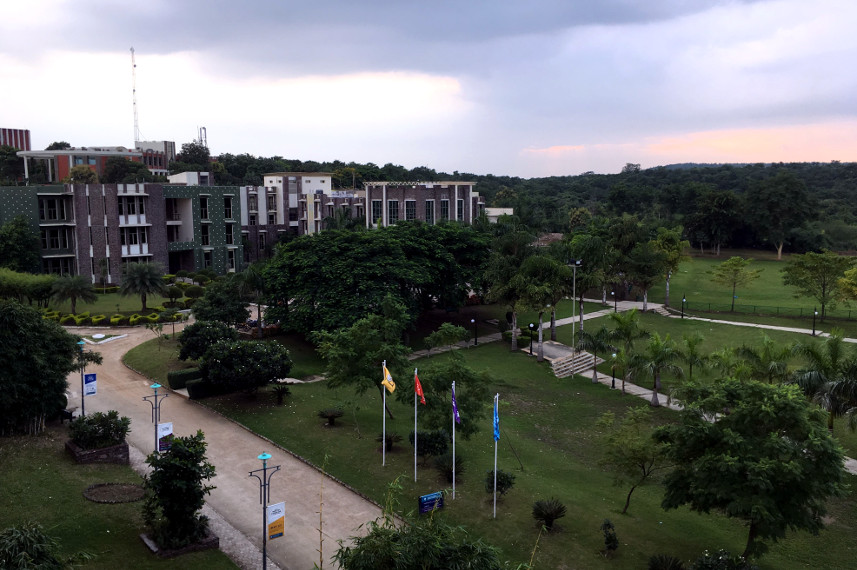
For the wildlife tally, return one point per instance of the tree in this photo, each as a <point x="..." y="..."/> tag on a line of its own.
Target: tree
<point x="817" y="275"/>
<point x="354" y="354"/>
<point x="11" y="165"/>
<point x="19" y="246"/>
<point x="717" y="215"/>
<point x="659" y="357"/>
<point x="826" y="365"/>
<point x="691" y="353"/>
<point x="118" y="169"/>
<point x="542" y="282"/>
<point x="251" y="283"/>
<point x="176" y="490"/>
<point x="222" y="301"/>
<point x="766" y="458"/>
<point x="447" y="335"/>
<point x="669" y="242"/>
<point x="645" y="266"/>
<point x="626" y="328"/>
<point x="769" y="362"/>
<point x="81" y="174"/>
<point x="245" y="364"/>
<point x="196" y="338"/>
<point x="510" y="251"/>
<point x="596" y="342"/>
<point x="58" y="145"/>
<point x="71" y="288"/>
<point x="142" y="279"/>
<point x="471" y="393"/>
<point x="734" y="273"/>
<point x="195" y="153"/>
<point x="36" y="356"/>
<point x="629" y="451"/>
<point x="777" y="206"/>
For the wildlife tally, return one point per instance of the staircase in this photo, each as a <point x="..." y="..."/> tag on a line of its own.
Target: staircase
<point x="577" y="363"/>
<point x="661" y="310"/>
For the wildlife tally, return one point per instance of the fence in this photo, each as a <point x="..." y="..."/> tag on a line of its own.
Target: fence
<point x="796" y="312"/>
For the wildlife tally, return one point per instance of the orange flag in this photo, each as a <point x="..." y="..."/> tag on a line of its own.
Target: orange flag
<point x="418" y="388"/>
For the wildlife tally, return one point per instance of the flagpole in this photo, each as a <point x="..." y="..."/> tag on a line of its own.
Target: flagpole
<point x="496" y="397"/>
<point x="383" y="419"/>
<point x="415" y="425"/>
<point x="453" y="444"/>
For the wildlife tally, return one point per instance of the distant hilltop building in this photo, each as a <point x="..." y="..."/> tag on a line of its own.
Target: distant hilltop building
<point x="16" y="138"/>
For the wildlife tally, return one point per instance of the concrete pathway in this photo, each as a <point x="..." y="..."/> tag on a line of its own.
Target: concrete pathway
<point x="233" y="451"/>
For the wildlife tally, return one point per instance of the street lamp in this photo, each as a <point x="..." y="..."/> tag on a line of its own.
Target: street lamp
<point x="475" y="340"/>
<point x="264" y="496"/>
<point x="532" y="328"/>
<point x="574" y="267"/>
<point x="80" y="345"/>
<point x="814" y="314"/>
<point x="613" y="373"/>
<point x="683" y="301"/>
<point x="613" y="294"/>
<point x="155" y="402"/>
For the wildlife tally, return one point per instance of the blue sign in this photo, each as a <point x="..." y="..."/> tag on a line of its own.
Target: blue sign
<point x="89" y="384"/>
<point x="431" y="502"/>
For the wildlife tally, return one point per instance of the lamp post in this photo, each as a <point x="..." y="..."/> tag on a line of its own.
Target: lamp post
<point x="814" y="314"/>
<point x="532" y="328"/>
<point x="574" y="267"/>
<point x="475" y="339"/>
<point x="80" y="345"/>
<point x="156" y="401"/>
<point x="683" y="301"/>
<point x="613" y="373"/>
<point x="613" y="294"/>
<point x="264" y="496"/>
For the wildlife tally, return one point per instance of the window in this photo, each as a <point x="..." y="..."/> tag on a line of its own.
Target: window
<point x="230" y="259"/>
<point x="132" y="236"/>
<point x="430" y="211"/>
<point x="272" y="218"/>
<point x="293" y="214"/>
<point x="206" y="259"/>
<point x="205" y="235"/>
<point x="51" y="209"/>
<point x="230" y="238"/>
<point x="142" y="206"/>
<point x="143" y="235"/>
<point x="121" y="206"/>
<point x="444" y="210"/>
<point x="251" y="220"/>
<point x="252" y="202"/>
<point x="130" y="206"/>
<point x="262" y="241"/>
<point x="376" y="212"/>
<point x="460" y="213"/>
<point x="203" y="208"/>
<point x="410" y="210"/>
<point x="227" y="207"/>
<point x="272" y="202"/>
<point x="392" y="211"/>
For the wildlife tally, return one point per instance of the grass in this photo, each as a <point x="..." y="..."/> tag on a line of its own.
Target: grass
<point x="41" y="482"/>
<point x="107" y="304"/>
<point x="549" y="425"/>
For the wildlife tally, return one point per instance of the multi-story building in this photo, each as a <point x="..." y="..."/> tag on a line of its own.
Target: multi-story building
<point x="58" y="163"/>
<point x="16" y="138"/>
<point x="429" y="202"/>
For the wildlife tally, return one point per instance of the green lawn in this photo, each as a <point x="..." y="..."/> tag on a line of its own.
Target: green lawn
<point x="549" y="425"/>
<point x="107" y="304"/>
<point x="41" y="482"/>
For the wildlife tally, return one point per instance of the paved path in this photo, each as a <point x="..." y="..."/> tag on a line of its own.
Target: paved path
<point x="233" y="451"/>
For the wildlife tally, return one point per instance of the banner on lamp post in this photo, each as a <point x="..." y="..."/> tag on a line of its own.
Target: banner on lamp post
<point x="89" y="385"/>
<point x="276" y="520"/>
<point x="165" y="432"/>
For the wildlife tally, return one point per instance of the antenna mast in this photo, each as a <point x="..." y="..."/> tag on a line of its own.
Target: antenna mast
<point x="134" y="92"/>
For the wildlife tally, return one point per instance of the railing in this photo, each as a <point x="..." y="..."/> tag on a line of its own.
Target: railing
<point x="798" y="312"/>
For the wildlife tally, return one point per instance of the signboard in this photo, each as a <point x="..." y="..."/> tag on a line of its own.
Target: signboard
<point x="165" y="432"/>
<point x="89" y="385"/>
<point x="431" y="502"/>
<point x="276" y="520"/>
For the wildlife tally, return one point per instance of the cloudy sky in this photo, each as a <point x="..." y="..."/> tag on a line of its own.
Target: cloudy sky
<point x="526" y="88"/>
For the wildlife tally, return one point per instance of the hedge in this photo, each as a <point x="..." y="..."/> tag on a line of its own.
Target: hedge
<point x="118" y="320"/>
<point x="178" y="379"/>
<point x="106" y="290"/>
<point x="199" y="389"/>
<point x="98" y="318"/>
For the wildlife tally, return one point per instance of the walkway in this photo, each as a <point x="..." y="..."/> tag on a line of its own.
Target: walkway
<point x="233" y="452"/>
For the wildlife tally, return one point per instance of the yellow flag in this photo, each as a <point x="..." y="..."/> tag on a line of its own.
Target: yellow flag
<point x="387" y="382"/>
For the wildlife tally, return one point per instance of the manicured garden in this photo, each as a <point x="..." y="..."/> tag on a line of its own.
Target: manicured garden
<point x="42" y="483"/>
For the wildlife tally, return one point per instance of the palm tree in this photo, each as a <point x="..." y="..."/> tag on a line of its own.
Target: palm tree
<point x="142" y="279"/>
<point x="541" y="281"/>
<point x="626" y="328"/>
<point x="768" y="362"/>
<point x="251" y="282"/>
<point x="659" y="357"/>
<point x="630" y="363"/>
<point x="691" y="354"/>
<point x="510" y="250"/>
<point x="829" y="373"/>
<point x="71" y="288"/>
<point x="595" y="343"/>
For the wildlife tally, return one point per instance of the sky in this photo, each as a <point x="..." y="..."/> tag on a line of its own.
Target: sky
<point x="508" y="87"/>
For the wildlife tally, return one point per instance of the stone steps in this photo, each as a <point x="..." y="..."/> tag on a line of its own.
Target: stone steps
<point x="575" y="364"/>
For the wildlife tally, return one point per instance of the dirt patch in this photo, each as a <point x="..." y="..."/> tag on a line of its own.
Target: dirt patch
<point x="112" y="493"/>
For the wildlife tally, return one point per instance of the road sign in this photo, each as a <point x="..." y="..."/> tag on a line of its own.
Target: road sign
<point x="89" y="385"/>
<point x="431" y="502"/>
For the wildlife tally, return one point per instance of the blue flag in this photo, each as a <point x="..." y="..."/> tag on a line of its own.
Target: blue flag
<point x="455" y="406"/>
<point x="496" y="419"/>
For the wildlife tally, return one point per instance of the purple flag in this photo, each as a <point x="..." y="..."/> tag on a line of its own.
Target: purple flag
<point x="455" y="406"/>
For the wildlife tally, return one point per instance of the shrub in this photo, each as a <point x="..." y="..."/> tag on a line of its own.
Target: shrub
<point x="96" y="320"/>
<point x="505" y="481"/>
<point x="199" y="389"/>
<point x="52" y="316"/>
<point x="135" y="319"/>
<point x="721" y="560"/>
<point x="176" y="490"/>
<point x="153" y="318"/>
<point x="194" y="292"/>
<point x="548" y="511"/>
<point x="118" y="320"/>
<point x="390" y="438"/>
<point x="611" y="542"/>
<point x="443" y="463"/>
<point x="189" y="303"/>
<point x="178" y="379"/>
<point x="27" y="546"/>
<point x="100" y="430"/>
<point x="196" y="338"/>
<point x="183" y="285"/>
<point x="430" y="443"/>
<point x="330" y="415"/>
<point x="107" y="290"/>
<point x="281" y="391"/>
<point x="68" y="319"/>
<point x="181" y="273"/>
<point x="169" y="278"/>
<point x="81" y="319"/>
<point x="665" y="562"/>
